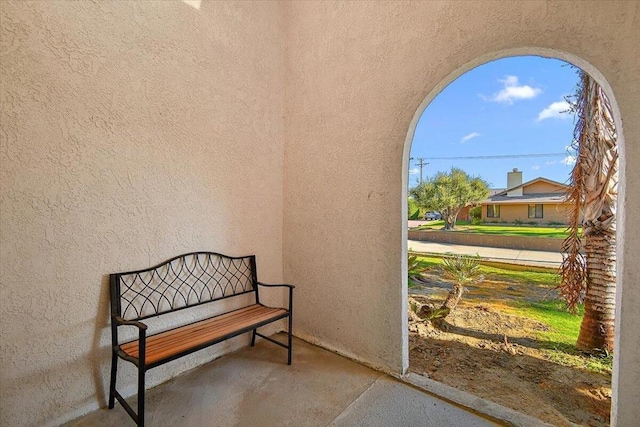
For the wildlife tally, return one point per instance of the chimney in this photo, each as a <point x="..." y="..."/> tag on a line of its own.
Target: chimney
<point x="514" y="179"/>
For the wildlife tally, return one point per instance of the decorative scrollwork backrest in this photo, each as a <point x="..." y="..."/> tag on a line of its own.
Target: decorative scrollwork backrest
<point x="184" y="281"/>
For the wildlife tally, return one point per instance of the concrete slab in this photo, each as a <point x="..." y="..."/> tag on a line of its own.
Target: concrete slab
<point x="506" y="415"/>
<point x="255" y="387"/>
<point x="389" y="402"/>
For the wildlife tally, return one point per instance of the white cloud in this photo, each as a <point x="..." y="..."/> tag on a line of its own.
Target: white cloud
<point x="535" y="167"/>
<point x="550" y="162"/>
<point x="414" y="171"/>
<point x="557" y="110"/>
<point x="513" y="91"/>
<point x="470" y="136"/>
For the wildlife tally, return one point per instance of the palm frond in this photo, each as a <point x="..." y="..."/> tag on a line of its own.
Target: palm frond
<point x="461" y="269"/>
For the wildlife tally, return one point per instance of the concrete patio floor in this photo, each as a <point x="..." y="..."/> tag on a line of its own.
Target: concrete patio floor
<point x="255" y="387"/>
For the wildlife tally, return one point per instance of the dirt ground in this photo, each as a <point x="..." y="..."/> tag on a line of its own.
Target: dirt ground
<point x="485" y="351"/>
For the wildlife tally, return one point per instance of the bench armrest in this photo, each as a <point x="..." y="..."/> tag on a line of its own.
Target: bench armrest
<point x="276" y="285"/>
<point x="279" y="285"/>
<point x="142" y="338"/>
<point x="120" y="321"/>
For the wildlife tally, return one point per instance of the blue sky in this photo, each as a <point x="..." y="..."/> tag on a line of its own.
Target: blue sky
<point x="509" y="106"/>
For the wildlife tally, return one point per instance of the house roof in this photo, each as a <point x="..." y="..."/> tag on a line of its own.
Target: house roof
<point x="527" y="198"/>
<point x="549" y="181"/>
<point x="502" y="198"/>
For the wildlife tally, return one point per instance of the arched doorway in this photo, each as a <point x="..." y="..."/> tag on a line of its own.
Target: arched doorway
<point x="459" y="72"/>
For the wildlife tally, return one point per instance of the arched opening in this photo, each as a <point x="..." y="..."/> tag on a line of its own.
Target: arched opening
<point x="547" y="53"/>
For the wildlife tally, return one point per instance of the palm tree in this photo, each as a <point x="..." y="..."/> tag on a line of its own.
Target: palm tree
<point x="461" y="270"/>
<point x="593" y="195"/>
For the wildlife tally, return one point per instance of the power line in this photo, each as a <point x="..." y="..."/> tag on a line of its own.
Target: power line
<point x="504" y="156"/>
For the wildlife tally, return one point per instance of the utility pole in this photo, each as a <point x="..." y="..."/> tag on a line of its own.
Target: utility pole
<point x="421" y="163"/>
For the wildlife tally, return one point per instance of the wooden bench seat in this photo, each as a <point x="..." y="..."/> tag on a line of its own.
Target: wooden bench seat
<point x="176" y="341"/>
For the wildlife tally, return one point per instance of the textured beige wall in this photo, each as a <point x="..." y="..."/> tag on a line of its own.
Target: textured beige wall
<point x="131" y="132"/>
<point x="357" y="72"/>
<point x="512" y="212"/>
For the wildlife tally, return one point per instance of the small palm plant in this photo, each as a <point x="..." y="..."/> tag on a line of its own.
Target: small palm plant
<point x="462" y="270"/>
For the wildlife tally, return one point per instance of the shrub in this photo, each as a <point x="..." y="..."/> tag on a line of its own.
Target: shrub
<point x="415" y="270"/>
<point x="413" y="209"/>
<point x="518" y="222"/>
<point x="475" y="213"/>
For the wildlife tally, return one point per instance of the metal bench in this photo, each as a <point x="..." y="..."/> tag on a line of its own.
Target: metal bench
<point x="182" y="282"/>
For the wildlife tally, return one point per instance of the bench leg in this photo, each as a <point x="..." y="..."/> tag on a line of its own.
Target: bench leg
<point x="141" y="374"/>
<point x="290" y="341"/>
<point x="253" y="337"/>
<point x="112" y="384"/>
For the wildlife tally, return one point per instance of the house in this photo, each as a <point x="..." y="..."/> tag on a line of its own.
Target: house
<point x="540" y="201"/>
<point x="465" y="212"/>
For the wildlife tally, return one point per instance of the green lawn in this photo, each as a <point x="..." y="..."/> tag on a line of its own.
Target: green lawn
<point x="562" y="335"/>
<point x="559" y="232"/>
<point x="563" y="326"/>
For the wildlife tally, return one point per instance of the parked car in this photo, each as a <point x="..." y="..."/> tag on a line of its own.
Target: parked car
<point x="432" y="216"/>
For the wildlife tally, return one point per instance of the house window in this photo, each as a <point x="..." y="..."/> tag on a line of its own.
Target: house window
<point x="535" y="211"/>
<point x="493" y="211"/>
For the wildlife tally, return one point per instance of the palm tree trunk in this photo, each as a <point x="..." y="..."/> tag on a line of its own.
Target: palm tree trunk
<point x="597" y="328"/>
<point x="453" y="298"/>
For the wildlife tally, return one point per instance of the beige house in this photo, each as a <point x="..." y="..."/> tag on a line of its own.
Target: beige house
<point x="540" y="201"/>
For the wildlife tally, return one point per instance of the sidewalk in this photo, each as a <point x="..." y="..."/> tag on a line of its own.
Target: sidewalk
<point x="510" y="256"/>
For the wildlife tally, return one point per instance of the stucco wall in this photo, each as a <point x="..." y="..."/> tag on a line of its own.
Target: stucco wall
<point x="357" y="74"/>
<point x="131" y="132"/>
<point x="556" y="213"/>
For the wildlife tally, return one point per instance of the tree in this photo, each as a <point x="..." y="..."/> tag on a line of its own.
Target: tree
<point x="448" y="193"/>
<point x="593" y="195"/>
